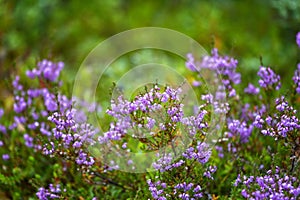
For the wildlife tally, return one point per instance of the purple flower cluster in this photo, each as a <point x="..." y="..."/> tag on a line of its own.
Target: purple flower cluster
<point x="149" y="111"/>
<point x="268" y="78"/>
<point x="139" y="113"/>
<point x="296" y="78"/>
<point x="188" y="191"/>
<point x="38" y="109"/>
<point x="223" y="65"/>
<point x="281" y="123"/>
<point x="237" y="128"/>
<point x="47" y="70"/>
<point x="2" y="127"/>
<point x="196" y="123"/>
<point x="54" y="192"/>
<point x="157" y="190"/>
<point x="164" y="163"/>
<point x="270" y="186"/>
<point x="251" y="89"/>
<point x="209" y="171"/>
<point x="201" y="153"/>
<point x="25" y="101"/>
<point x="70" y="135"/>
<point x="217" y="101"/>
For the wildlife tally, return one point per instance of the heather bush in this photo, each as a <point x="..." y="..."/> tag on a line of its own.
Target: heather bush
<point x="49" y="150"/>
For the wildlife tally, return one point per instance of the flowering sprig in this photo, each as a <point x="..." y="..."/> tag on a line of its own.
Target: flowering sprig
<point x="220" y="65"/>
<point x="283" y="123"/>
<point x="46" y="70"/>
<point x="273" y="185"/>
<point x="268" y="78"/>
<point x="54" y="192"/>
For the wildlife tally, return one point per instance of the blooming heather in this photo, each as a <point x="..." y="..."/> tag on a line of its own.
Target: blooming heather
<point x="138" y="113"/>
<point x="201" y="153"/>
<point x="268" y="79"/>
<point x="273" y="185"/>
<point x="251" y="89"/>
<point x="53" y="192"/>
<point x="220" y="65"/>
<point x="165" y="162"/>
<point x="46" y="69"/>
<point x="281" y="123"/>
<point x="239" y="129"/>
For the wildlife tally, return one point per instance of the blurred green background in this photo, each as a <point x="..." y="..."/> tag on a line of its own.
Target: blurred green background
<point x="31" y="30"/>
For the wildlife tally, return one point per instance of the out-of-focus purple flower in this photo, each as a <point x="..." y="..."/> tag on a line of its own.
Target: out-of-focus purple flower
<point x="17" y="86"/>
<point x="298" y="39"/>
<point x="2" y="129"/>
<point x="1" y="112"/>
<point x="296" y="78"/>
<point x="251" y="89"/>
<point x="5" y="157"/>
<point x="19" y="104"/>
<point x="220" y="151"/>
<point x="196" y="83"/>
<point x="226" y="66"/>
<point x="190" y="63"/>
<point x="46" y="69"/>
<point x="28" y="140"/>
<point x="221" y="107"/>
<point x="268" y="79"/>
<point x="208" y="98"/>
<point x="220" y="65"/>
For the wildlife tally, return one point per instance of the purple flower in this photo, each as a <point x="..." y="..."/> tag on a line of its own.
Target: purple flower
<point x="281" y="123"/>
<point x="296" y="78"/>
<point x="241" y="129"/>
<point x="188" y="191"/>
<point x="210" y="171"/>
<point x="190" y="62"/>
<point x="220" y="65"/>
<point x="164" y="163"/>
<point x="157" y="189"/>
<point x="273" y="185"/>
<point x="1" y="112"/>
<point x="5" y="156"/>
<point x="28" y="140"/>
<point x="52" y="193"/>
<point x="298" y="39"/>
<point x="46" y="69"/>
<point x="17" y="86"/>
<point x="19" y="104"/>
<point x="268" y="79"/>
<point x="251" y="89"/>
<point x="201" y="153"/>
